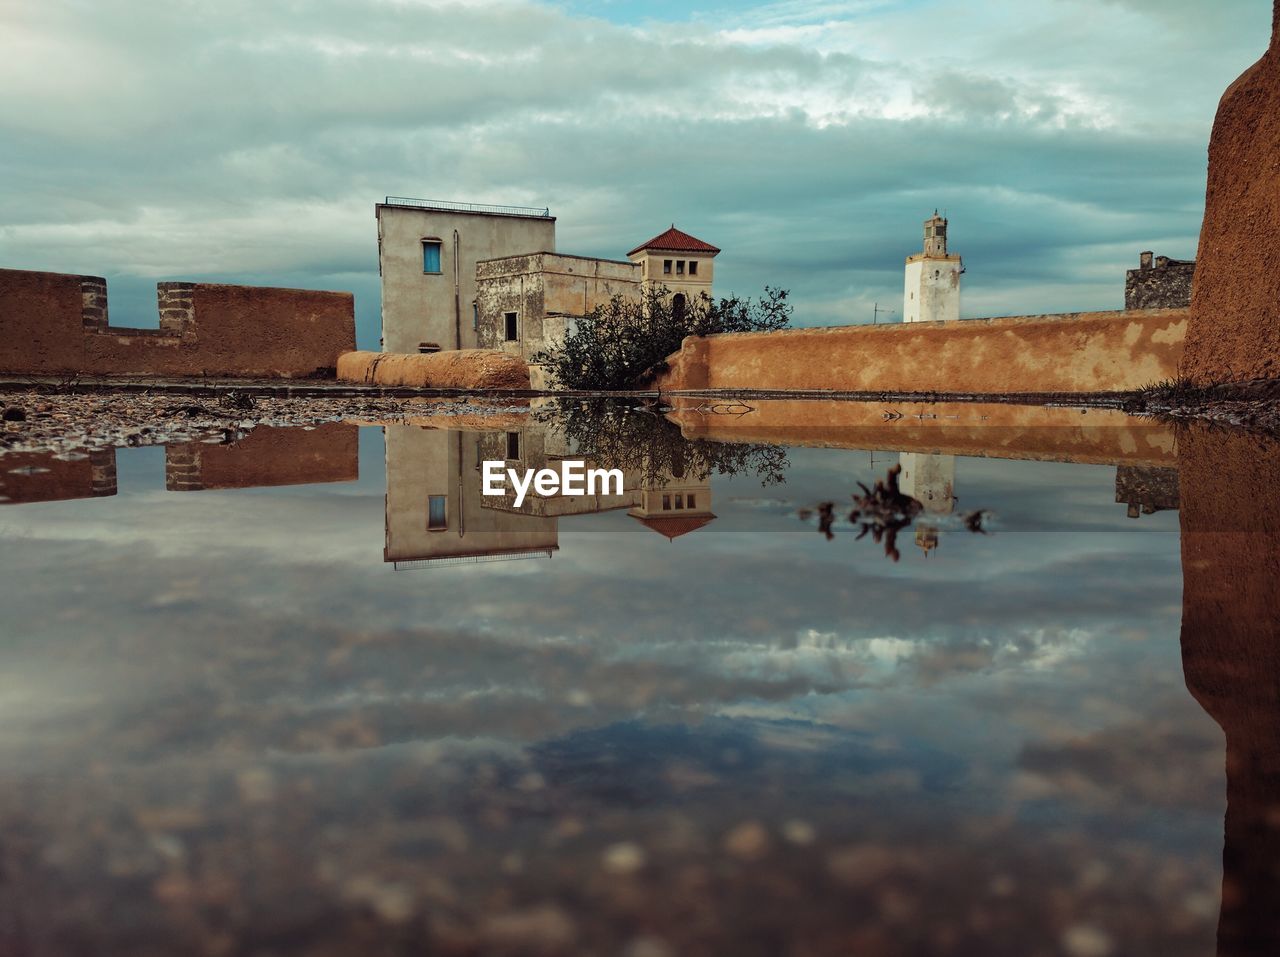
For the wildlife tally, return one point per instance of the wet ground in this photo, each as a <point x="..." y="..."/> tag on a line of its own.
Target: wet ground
<point x="310" y="692"/>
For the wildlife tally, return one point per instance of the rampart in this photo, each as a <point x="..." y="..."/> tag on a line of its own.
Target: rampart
<point x="1073" y="352"/>
<point x="55" y="323"/>
<point x="266" y="457"/>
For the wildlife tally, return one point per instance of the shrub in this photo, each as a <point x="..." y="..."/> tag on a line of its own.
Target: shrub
<point x="620" y="344"/>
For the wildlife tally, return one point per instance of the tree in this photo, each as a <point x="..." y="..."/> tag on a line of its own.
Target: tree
<point x="624" y="343"/>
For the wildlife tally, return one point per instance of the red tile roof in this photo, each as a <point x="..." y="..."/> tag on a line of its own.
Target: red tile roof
<point x="673" y="526"/>
<point x="673" y="240"/>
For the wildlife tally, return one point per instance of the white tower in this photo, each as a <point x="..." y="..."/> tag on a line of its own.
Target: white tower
<point x="932" y="288"/>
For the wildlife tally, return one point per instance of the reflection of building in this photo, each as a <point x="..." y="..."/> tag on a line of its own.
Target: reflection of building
<point x="930" y="480"/>
<point x="29" y="477"/>
<point x="1146" y="490"/>
<point x="932" y="284"/>
<point x="435" y="511"/>
<point x="266" y="457"/>
<point x="675" y="505"/>
<point x="1230" y="523"/>
<point x="427" y="255"/>
<point x="927" y="538"/>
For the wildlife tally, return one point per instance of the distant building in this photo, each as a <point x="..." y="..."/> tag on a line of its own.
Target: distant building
<point x="526" y="303"/>
<point x="930" y="480"/>
<point x="1159" y="283"/>
<point x="427" y="256"/>
<point x="932" y="288"/>
<point x="678" y="261"/>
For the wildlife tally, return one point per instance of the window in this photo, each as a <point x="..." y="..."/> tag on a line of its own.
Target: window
<point x="679" y="267"/>
<point x="437" y="512"/>
<point x="679" y="501"/>
<point x="475" y="316"/>
<point x="513" y="445"/>
<point x="513" y="326"/>
<point x="693" y="267"/>
<point x="692" y="501"/>
<point x="431" y="255"/>
<point x="666" y="503"/>
<point x="666" y="267"/>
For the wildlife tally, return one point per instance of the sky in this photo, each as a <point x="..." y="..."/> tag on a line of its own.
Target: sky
<point x="248" y="141"/>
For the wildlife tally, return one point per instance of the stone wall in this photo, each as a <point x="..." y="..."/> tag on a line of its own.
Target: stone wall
<point x="1077" y="352"/>
<point x="1235" y="308"/>
<point x="453" y="369"/>
<point x="39" y="477"/>
<point x="1159" y="283"/>
<point x="266" y="457"/>
<point x="53" y="323"/>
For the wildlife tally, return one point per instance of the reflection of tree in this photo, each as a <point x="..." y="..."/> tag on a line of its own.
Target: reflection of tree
<point x="882" y="512"/>
<point x="637" y="438"/>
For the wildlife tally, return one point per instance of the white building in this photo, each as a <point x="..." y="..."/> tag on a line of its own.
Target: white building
<point x="932" y="288"/>
<point x="427" y="256"/>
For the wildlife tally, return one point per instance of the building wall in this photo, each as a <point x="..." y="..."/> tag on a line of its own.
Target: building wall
<point x="547" y="292"/>
<point x="970" y="429"/>
<point x="1235" y="305"/>
<point x="425" y="462"/>
<point x="1159" y="283"/>
<point x="1076" y="352"/>
<point x="651" y="263"/>
<point x="417" y="307"/>
<point x="56" y="480"/>
<point x="57" y="323"/>
<point x="266" y="457"/>
<point x="931" y="291"/>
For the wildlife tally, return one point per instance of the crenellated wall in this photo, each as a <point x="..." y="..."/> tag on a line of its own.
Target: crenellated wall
<point x="56" y="323"/>
<point x="1075" y="352"/>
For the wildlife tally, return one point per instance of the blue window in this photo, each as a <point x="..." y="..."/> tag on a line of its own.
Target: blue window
<point x="437" y="511"/>
<point x="431" y="255"/>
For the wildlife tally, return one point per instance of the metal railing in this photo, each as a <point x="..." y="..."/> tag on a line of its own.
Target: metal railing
<point x="447" y="204"/>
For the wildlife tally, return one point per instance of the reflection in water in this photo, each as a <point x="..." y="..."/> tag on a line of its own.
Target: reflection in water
<point x="1231" y="658"/>
<point x="748" y="744"/>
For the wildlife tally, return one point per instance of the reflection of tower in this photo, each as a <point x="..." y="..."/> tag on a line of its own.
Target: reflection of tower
<point x="674" y="503"/>
<point x="927" y="538"/>
<point x="930" y="480"/>
<point x="1146" y="490"/>
<point x="1230" y="521"/>
<point x="435" y="511"/>
<point x="932" y="285"/>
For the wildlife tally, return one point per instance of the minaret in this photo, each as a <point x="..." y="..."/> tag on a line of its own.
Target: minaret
<point x="932" y="288"/>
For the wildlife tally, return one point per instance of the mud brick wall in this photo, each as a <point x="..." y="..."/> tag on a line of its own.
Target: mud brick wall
<point x="266" y="457"/>
<point x="54" y="323"/>
<point x="1159" y="283"/>
<point x="1235" y="307"/>
<point x="28" y="477"/>
<point x="1076" y="352"/>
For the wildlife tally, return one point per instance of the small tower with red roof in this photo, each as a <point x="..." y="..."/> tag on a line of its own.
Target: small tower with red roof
<point x="682" y="263"/>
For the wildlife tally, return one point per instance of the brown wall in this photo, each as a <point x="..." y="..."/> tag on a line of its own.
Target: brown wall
<point x="56" y="480"/>
<point x="1230" y="498"/>
<point x="55" y="323"/>
<point x="1076" y="352"/>
<point x="1235" y="305"/>
<point x="451" y="369"/>
<point x="266" y="457"/>
<point x="1003" y="431"/>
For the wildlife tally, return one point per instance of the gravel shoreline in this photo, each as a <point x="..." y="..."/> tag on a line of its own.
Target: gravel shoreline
<point x="42" y="422"/>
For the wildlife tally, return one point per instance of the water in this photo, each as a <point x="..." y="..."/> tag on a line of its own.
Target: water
<point x="245" y="717"/>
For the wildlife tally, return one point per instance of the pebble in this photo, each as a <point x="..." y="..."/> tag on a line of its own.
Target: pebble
<point x="623" y="858"/>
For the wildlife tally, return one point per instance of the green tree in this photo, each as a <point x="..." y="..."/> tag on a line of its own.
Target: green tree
<point x="624" y="343"/>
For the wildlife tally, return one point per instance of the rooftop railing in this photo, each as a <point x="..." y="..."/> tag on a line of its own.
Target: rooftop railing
<point x="447" y="204"/>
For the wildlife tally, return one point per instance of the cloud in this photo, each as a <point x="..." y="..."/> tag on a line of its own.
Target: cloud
<point x="248" y="142"/>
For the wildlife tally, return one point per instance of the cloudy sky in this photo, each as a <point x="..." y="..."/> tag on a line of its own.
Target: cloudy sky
<point x="248" y="141"/>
